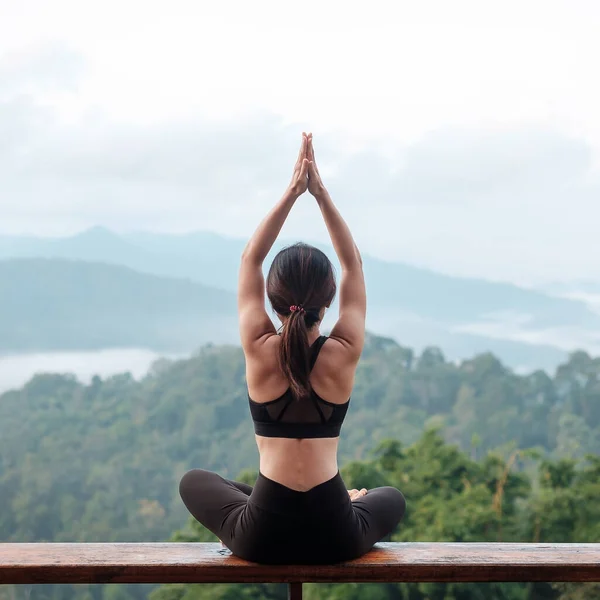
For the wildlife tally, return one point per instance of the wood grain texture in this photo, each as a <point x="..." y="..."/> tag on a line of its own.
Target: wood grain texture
<point x="210" y="563"/>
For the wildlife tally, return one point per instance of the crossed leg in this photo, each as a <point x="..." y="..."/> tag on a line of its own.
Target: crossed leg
<point x="218" y="504"/>
<point x="214" y="501"/>
<point x="379" y="511"/>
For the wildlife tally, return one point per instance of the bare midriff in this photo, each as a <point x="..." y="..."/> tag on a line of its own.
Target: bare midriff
<point x="298" y="464"/>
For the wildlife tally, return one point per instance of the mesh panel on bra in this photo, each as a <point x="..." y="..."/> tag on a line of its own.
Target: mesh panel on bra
<point x="310" y="417"/>
<point x="307" y="410"/>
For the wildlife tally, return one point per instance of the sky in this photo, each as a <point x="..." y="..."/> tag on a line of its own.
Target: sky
<point x="461" y="136"/>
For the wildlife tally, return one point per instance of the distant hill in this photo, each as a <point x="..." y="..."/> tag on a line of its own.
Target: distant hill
<point x="56" y="304"/>
<point x="213" y="260"/>
<point x="203" y="257"/>
<point x="415" y="306"/>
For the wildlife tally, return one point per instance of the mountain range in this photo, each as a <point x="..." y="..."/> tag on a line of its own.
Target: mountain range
<point x="176" y="292"/>
<point x="60" y="304"/>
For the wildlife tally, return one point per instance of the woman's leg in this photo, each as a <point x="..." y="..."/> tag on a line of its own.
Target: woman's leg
<point x="379" y="512"/>
<point x="243" y="487"/>
<point x="214" y="501"/>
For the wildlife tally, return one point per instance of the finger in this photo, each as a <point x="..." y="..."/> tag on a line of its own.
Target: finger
<point x="300" y="155"/>
<point x="311" y="155"/>
<point x="310" y="152"/>
<point x="304" y="168"/>
<point x="302" y="151"/>
<point x="312" y="170"/>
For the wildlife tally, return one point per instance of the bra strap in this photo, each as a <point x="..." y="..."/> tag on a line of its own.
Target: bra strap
<point x="315" y="349"/>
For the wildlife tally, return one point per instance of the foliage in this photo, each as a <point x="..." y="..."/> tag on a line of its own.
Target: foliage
<point x="480" y="452"/>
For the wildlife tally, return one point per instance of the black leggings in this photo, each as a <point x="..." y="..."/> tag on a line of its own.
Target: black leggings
<point x="273" y="524"/>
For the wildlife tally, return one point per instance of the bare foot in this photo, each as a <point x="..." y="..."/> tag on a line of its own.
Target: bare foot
<point x="356" y="494"/>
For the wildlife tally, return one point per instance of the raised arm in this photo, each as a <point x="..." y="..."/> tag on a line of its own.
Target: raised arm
<point x="255" y="324"/>
<point x="350" y="327"/>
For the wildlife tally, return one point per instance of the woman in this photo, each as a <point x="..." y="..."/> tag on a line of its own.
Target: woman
<point x="299" y="385"/>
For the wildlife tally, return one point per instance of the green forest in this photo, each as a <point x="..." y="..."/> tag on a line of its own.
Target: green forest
<point x="480" y="452"/>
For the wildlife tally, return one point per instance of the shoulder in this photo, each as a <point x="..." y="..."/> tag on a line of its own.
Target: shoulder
<point x="264" y="352"/>
<point x="262" y="365"/>
<point x="338" y="354"/>
<point x="334" y="370"/>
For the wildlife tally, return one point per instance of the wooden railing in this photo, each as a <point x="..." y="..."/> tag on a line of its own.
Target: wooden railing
<point x="210" y="563"/>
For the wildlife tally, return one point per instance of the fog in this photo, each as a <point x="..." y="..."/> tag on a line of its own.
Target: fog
<point x="16" y="370"/>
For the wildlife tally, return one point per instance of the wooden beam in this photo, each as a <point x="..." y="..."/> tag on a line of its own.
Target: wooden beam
<point x="210" y="563"/>
<point x="294" y="591"/>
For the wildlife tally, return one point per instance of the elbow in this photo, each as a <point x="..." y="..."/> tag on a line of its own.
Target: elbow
<point x="358" y="256"/>
<point x="249" y="257"/>
<point x="354" y="262"/>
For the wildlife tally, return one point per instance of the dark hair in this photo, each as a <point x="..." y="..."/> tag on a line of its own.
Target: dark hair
<point x="300" y="276"/>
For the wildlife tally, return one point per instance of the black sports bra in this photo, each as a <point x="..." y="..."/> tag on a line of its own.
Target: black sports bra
<point x="286" y="417"/>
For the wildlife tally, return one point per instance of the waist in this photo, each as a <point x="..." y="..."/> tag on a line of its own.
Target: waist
<point x="298" y="464"/>
<point x="275" y="497"/>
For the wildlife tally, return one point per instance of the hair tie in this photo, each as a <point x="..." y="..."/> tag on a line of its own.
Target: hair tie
<point x="299" y="308"/>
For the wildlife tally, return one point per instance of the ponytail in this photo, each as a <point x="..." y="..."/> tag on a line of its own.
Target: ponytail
<point x="294" y="352"/>
<point x="299" y="273"/>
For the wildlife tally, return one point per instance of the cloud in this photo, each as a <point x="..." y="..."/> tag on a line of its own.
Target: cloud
<point x="509" y="203"/>
<point x="465" y="166"/>
<point x="100" y="170"/>
<point x="43" y="67"/>
<point x="24" y="78"/>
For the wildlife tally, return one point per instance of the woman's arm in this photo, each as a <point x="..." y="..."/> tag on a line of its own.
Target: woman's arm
<point x="350" y="327"/>
<point x="255" y="324"/>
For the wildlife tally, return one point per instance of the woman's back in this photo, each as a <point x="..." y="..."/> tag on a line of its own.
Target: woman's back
<point x="299" y="463"/>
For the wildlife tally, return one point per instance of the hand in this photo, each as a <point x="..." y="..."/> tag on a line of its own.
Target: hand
<point x="356" y="494"/>
<point x="299" y="181"/>
<point x="315" y="184"/>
